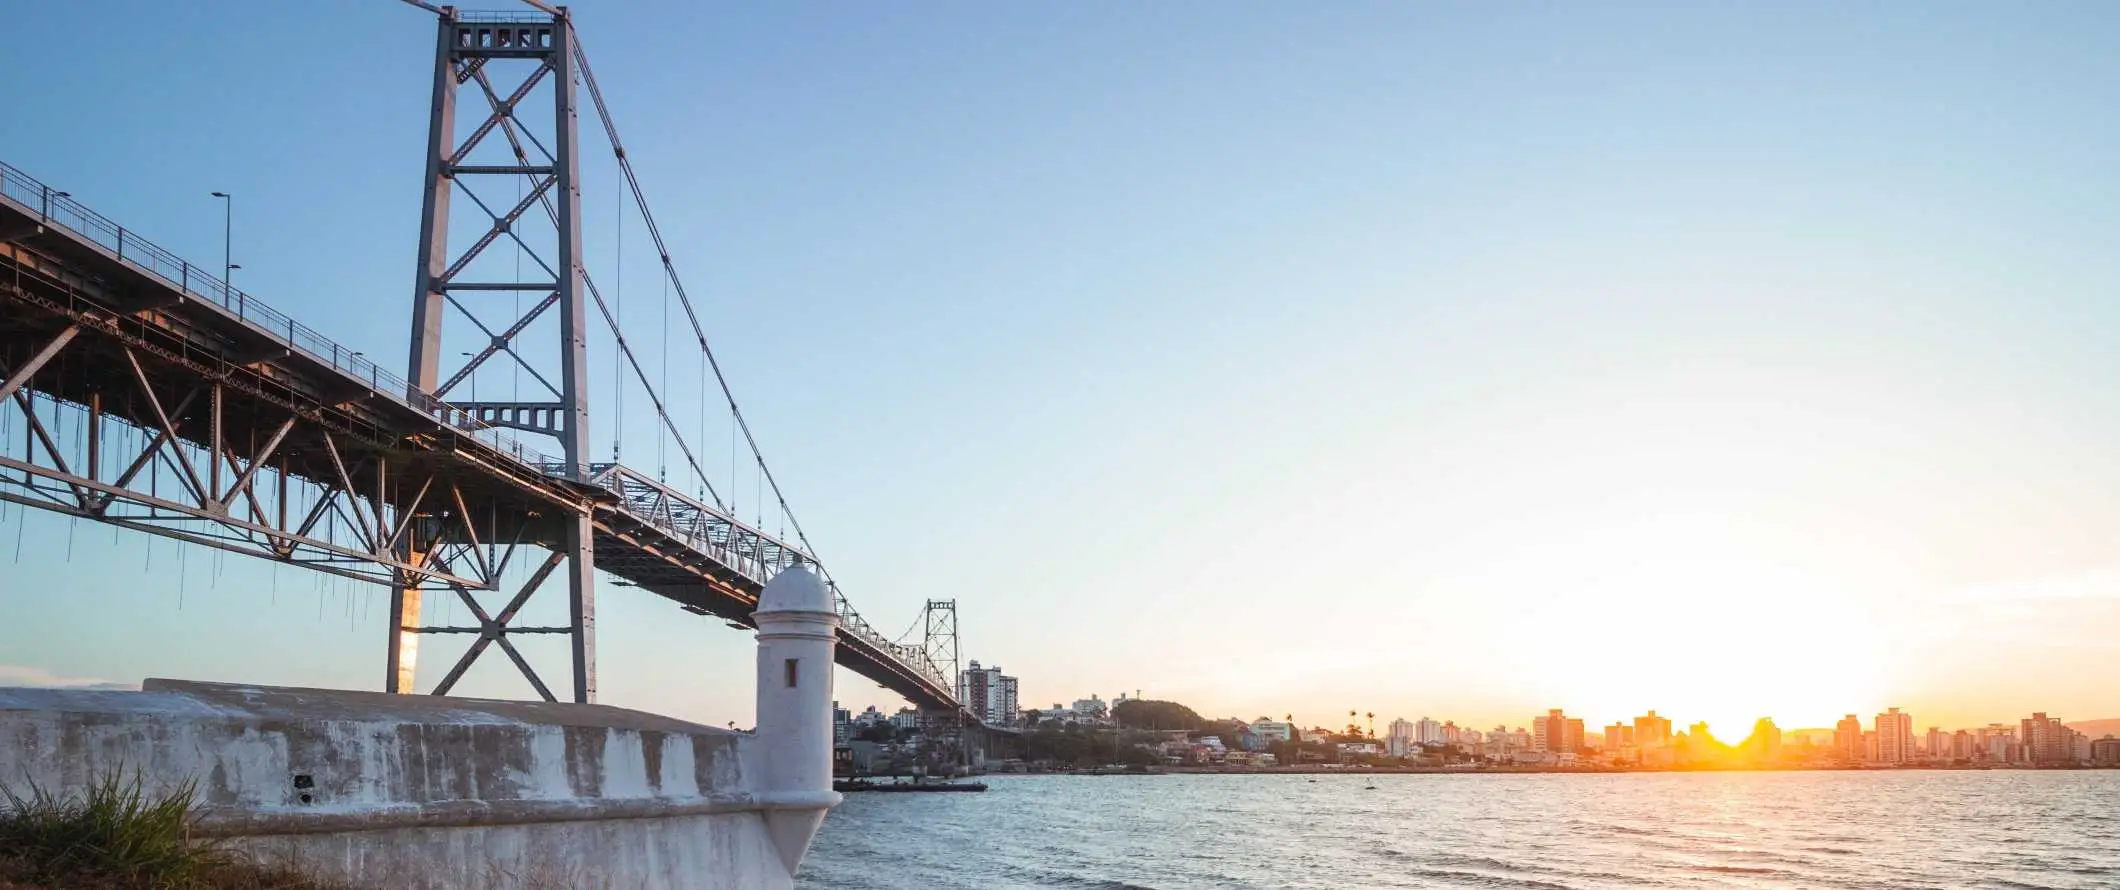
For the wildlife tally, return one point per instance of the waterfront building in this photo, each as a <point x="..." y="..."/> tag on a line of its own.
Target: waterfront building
<point x="1651" y="731"/>
<point x="1428" y="732"/>
<point x="1996" y="743"/>
<point x="1847" y="738"/>
<point x="2106" y="752"/>
<point x="1451" y="733"/>
<point x="1895" y="737"/>
<point x="1765" y="741"/>
<point x="1937" y="745"/>
<point x="2045" y="740"/>
<point x="1401" y="740"/>
<point x="1698" y="745"/>
<point x="1619" y="735"/>
<point x="1557" y="733"/>
<point x="1519" y="739"/>
<point x="905" y="719"/>
<point x="842" y="725"/>
<point x="988" y="693"/>
<point x="1272" y="730"/>
<point x="1091" y="709"/>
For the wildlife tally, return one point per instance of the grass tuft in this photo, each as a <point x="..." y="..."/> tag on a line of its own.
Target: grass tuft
<point x="116" y="835"/>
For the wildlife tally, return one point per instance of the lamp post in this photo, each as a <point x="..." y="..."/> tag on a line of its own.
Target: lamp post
<point x="228" y="216"/>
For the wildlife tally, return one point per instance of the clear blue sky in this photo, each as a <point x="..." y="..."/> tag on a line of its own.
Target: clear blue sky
<point x="1462" y="360"/>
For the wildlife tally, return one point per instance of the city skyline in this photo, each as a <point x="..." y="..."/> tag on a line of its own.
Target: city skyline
<point x="1533" y="361"/>
<point x="1651" y="723"/>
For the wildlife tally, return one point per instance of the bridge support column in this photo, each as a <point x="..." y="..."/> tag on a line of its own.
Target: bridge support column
<point x="942" y="740"/>
<point x="581" y="605"/>
<point x="403" y="659"/>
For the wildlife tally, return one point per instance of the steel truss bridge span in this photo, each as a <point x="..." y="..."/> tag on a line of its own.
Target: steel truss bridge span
<point x="148" y="394"/>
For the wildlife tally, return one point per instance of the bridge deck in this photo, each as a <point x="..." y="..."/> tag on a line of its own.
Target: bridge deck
<point x="279" y="437"/>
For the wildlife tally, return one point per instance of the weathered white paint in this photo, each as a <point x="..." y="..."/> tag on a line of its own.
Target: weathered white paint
<point x="424" y="792"/>
<point x="796" y="634"/>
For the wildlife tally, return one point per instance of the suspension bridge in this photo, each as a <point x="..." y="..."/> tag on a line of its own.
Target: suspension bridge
<point x="153" y="396"/>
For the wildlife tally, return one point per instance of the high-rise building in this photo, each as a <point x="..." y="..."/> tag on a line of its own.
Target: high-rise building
<point x="1895" y="737"/>
<point x="1619" y="735"/>
<point x="988" y="693"/>
<point x="1428" y="732"/>
<point x="1847" y="738"/>
<point x="842" y="725"/>
<point x="1557" y="733"/>
<point x="1651" y="731"/>
<point x="1938" y="744"/>
<point x="1995" y="743"/>
<point x="2106" y="752"/>
<point x="1091" y="709"/>
<point x="2046" y="740"/>
<point x="1765" y="741"/>
<point x="1400" y="741"/>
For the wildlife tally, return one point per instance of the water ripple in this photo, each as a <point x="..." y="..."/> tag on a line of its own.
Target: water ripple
<point x="2044" y="830"/>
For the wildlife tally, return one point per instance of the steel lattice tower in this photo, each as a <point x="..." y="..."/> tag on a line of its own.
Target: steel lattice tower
<point x="470" y="49"/>
<point x="943" y="732"/>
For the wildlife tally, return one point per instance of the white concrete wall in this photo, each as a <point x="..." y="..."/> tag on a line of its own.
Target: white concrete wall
<point x="423" y="792"/>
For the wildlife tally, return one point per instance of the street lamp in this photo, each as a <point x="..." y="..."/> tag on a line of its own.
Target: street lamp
<point x="228" y="215"/>
<point x="474" y="377"/>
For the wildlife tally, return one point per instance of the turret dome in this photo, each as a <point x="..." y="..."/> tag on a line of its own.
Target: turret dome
<point x="796" y="589"/>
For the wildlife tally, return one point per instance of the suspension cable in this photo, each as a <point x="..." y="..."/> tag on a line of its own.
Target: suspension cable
<point x="552" y="213"/>
<point x="640" y="199"/>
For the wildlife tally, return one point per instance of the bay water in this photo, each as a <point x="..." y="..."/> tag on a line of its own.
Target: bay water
<point x="1854" y="829"/>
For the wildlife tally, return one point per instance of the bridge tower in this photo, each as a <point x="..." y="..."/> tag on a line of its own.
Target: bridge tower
<point x="479" y="286"/>
<point x="943" y="731"/>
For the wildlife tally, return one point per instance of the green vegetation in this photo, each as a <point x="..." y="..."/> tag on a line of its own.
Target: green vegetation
<point x="117" y="836"/>
<point x="1141" y="713"/>
<point x="1086" y="747"/>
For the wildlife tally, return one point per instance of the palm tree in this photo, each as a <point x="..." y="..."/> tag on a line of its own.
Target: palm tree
<point x="1372" y="724"/>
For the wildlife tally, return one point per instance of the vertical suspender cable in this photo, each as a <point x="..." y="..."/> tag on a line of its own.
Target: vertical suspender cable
<point x="640" y="200"/>
<point x="618" y="368"/>
<point x="662" y="461"/>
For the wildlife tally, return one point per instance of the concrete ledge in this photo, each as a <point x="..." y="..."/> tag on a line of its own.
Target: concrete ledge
<point x="222" y="822"/>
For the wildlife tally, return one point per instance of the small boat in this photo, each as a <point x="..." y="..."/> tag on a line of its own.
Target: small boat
<point x="931" y="786"/>
<point x="848" y="786"/>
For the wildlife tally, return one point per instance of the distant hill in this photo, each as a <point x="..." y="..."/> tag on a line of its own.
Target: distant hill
<point x="2097" y="729"/>
<point x="1141" y="713"/>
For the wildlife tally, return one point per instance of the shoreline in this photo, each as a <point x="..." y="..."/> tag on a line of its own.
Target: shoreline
<point x="1537" y="770"/>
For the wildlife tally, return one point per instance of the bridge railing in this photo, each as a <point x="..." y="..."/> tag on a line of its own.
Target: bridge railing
<point x="753" y="553"/>
<point x="59" y="209"/>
